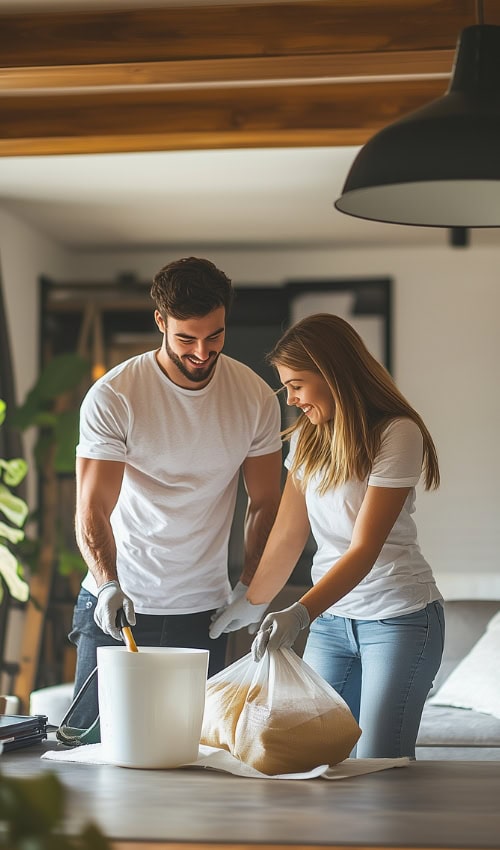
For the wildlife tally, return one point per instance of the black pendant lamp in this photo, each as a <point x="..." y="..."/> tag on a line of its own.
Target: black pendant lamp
<point x="440" y="165"/>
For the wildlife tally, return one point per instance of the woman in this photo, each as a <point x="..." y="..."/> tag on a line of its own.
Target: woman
<point x="357" y="451"/>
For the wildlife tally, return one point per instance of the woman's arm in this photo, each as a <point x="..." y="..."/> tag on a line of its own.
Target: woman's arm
<point x="284" y="547"/>
<point x="379" y="511"/>
<point x="282" y="551"/>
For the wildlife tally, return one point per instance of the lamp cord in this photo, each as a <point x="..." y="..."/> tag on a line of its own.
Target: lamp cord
<point x="479" y="12"/>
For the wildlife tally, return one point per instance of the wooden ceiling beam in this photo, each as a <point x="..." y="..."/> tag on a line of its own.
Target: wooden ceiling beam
<point x="214" y="73"/>
<point x="311" y="27"/>
<point x="302" y="115"/>
<point x="313" y="72"/>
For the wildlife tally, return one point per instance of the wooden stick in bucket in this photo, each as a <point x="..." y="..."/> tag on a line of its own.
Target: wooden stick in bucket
<point x="126" y="631"/>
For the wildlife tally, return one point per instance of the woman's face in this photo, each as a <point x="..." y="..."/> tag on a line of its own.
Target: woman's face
<point x="309" y="392"/>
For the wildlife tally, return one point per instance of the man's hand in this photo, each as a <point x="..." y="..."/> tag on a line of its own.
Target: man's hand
<point x="236" y="615"/>
<point x="280" y="629"/>
<point x="110" y="598"/>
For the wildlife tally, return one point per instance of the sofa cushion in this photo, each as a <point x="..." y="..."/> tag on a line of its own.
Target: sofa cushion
<point x="458" y="753"/>
<point x="465" y="622"/>
<point x="448" y="727"/>
<point x="475" y="682"/>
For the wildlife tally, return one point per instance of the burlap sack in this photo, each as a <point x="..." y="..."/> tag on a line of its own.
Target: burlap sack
<point x="277" y="715"/>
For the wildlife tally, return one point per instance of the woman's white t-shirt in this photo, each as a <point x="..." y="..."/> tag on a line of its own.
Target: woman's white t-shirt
<point x="401" y="580"/>
<point x="182" y="450"/>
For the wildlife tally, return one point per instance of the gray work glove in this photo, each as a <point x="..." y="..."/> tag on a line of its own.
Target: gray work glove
<point x="280" y="629"/>
<point x="110" y="598"/>
<point x="239" y="613"/>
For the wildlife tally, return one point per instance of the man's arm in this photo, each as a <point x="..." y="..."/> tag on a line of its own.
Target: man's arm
<point x="262" y="479"/>
<point x="98" y="485"/>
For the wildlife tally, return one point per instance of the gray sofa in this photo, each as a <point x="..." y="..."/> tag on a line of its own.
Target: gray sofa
<point x="459" y="733"/>
<point x="445" y="732"/>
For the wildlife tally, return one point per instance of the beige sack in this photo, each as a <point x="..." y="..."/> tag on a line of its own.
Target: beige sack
<point x="278" y="715"/>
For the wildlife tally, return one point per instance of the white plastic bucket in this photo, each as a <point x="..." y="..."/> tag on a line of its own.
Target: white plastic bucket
<point x="151" y="704"/>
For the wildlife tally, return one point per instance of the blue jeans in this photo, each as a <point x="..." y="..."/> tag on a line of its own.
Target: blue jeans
<point x="384" y="670"/>
<point x="182" y="630"/>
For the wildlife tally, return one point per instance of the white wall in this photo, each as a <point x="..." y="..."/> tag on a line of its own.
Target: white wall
<point x="25" y="255"/>
<point x="446" y="354"/>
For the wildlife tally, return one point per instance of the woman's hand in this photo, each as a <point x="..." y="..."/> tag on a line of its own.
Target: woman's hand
<point x="280" y="629"/>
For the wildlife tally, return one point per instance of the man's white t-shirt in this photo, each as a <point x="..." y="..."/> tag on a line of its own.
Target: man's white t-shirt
<point x="401" y="580"/>
<point x="182" y="450"/>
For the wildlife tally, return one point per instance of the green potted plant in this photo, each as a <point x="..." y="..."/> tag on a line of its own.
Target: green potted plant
<point x="52" y="407"/>
<point x="14" y="512"/>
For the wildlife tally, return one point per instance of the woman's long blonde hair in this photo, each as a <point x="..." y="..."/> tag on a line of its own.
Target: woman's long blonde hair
<point x="365" y="396"/>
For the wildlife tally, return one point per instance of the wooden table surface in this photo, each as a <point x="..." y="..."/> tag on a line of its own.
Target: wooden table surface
<point x="429" y="804"/>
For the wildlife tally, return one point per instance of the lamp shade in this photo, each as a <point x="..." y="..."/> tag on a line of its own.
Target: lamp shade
<point x="440" y="165"/>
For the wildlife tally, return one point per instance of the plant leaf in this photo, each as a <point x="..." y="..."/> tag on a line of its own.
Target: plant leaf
<point x="93" y="839"/>
<point x="66" y="436"/>
<point x="14" y="471"/>
<point x="14" y="508"/>
<point x="32" y="806"/>
<point x="43" y="447"/>
<point x="70" y="562"/>
<point x="11" y="570"/>
<point x="3" y="408"/>
<point x="61" y="374"/>
<point x="13" y="535"/>
<point x="24" y="416"/>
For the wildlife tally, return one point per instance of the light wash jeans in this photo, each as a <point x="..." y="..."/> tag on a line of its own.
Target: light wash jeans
<point x="384" y="670"/>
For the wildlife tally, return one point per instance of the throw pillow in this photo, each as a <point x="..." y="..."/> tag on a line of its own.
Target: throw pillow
<point x="475" y="681"/>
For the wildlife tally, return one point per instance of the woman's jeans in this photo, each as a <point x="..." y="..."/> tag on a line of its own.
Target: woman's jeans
<point x="181" y="630"/>
<point x="384" y="670"/>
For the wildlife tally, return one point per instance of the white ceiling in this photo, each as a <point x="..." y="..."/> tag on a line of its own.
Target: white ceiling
<point x="237" y="197"/>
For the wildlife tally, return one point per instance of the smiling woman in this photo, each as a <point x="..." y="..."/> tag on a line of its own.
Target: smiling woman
<point x="308" y="392"/>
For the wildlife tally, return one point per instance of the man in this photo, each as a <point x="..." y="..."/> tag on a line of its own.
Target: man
<point x="163" y="437"/>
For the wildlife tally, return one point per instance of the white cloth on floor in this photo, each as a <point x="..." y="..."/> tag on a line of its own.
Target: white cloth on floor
<point x="218" y="759"/>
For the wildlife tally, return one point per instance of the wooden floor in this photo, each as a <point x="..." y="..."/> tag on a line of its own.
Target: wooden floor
<point x="425" y="805"/>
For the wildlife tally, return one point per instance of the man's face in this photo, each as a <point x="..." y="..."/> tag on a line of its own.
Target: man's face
<point x="191" y="347"/>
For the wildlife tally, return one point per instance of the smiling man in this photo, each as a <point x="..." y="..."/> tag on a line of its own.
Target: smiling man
<point x="198" y="342"/>
<point x="163" y="438"/>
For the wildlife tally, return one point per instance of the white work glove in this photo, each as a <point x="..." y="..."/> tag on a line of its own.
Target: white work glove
<point x="280" y="629"/>
<point x="237" y="592"/>
<point x="239" y="613"/>
<point x="110" y="598"/>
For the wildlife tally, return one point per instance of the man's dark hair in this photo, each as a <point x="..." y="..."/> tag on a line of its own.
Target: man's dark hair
<point x="190" y="287"/>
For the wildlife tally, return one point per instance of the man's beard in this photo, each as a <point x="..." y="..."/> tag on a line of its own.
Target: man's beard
<point x="198" y="374"/>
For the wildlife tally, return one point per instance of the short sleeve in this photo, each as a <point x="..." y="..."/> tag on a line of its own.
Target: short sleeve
<point x="399" y="460"/>
<point x="267" y="436"/>
<point x="291" y="451"/>
<point x="103" y="425"/>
